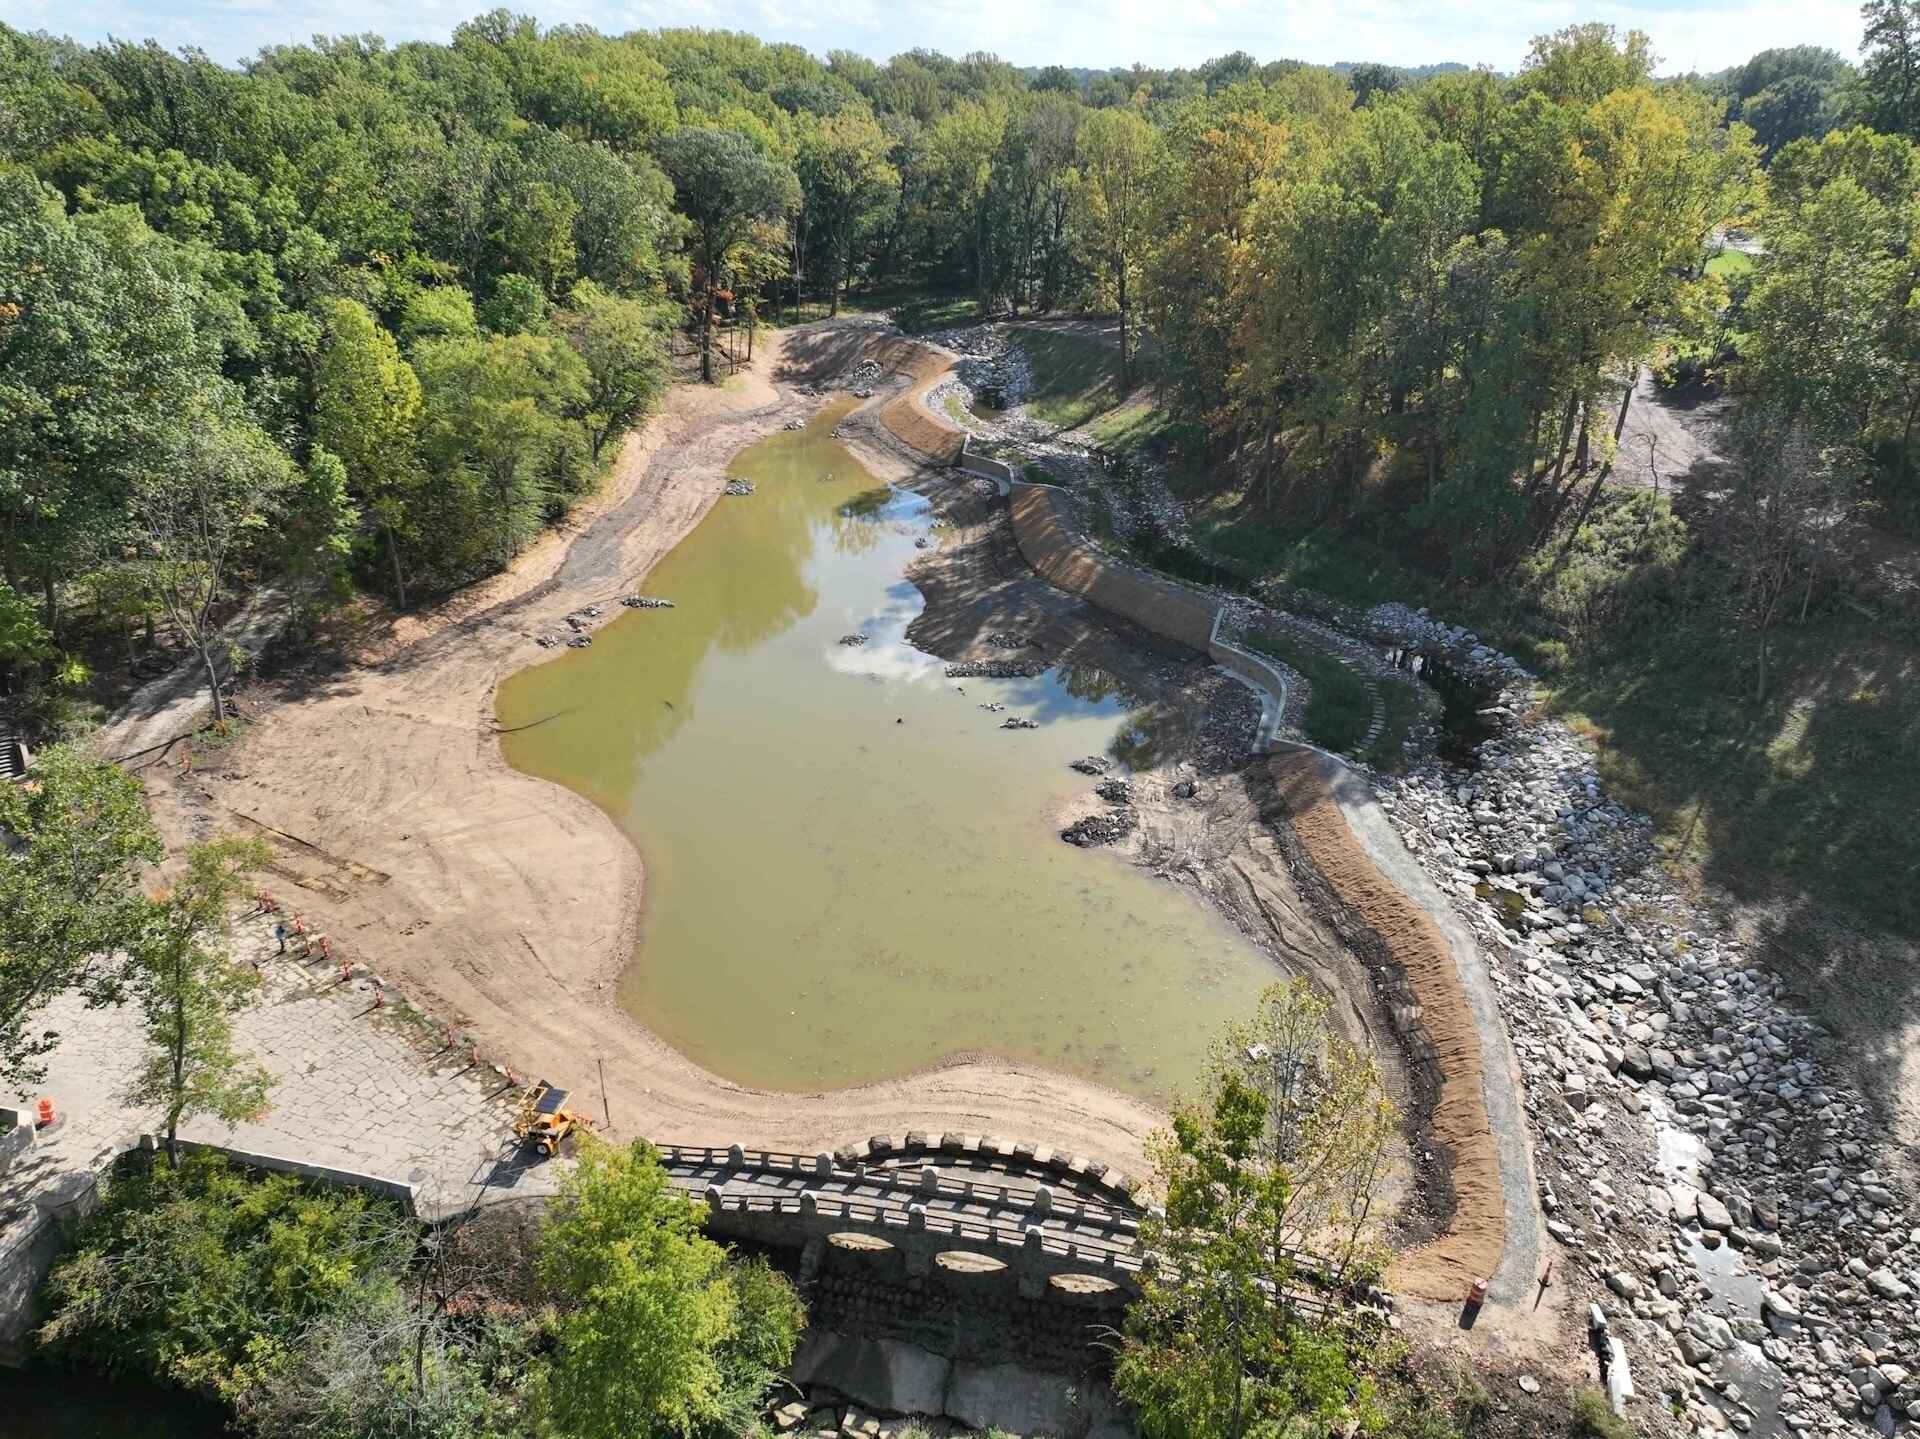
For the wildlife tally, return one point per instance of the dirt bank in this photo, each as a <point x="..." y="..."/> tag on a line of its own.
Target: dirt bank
<point x="1474" y="1236"/>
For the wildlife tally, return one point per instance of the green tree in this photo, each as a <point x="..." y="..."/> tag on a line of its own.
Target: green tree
<point x="1270" y="1179"/>
<point x="623" y="345"/>
<point x="67" y="898"/>
<point x="206" y="1277"/>
<point x="1119" y="156"/>
<point x="1890" y="66"/>
<point x="100" y="351"/>
<point x="367" y="410"/>
<point x="496" y="409"/>
<point x="189" y="989"/>
<point x="439" y="313"/>
<point x="960" y="151"/>
<point x="22" y="637"/>
<point x="195" y="519"/>
<point x="723" y="183"/>
<point x="517" y="306"/>
<point x="656" y="1334"/>
<point x="318" y="528"/>
<point x="845" y="180"/>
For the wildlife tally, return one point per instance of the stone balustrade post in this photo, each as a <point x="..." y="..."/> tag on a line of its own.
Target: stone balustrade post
<point x="1032" y="1264"/>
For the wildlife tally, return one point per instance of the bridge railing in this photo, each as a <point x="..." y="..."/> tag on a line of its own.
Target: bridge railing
<point x="914" y="1180"/>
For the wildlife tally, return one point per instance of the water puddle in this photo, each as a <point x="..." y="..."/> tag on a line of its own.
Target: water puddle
<point x="853" y="871"/>
<point x="1749" y="1381"/>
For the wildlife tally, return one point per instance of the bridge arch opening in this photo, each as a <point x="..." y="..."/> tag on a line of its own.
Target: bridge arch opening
<point x="859" y="1243"/>
<point x="965" y="1261"/>
<point x="1082" y="1286"/>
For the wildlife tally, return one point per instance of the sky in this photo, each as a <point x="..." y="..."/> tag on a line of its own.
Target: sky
<point x="1687" y="34"/>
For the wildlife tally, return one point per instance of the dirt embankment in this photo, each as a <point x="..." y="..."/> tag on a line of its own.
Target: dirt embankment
<point x="1447" y="1044"/>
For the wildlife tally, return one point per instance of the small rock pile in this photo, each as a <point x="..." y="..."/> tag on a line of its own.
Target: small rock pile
<point x="739" y="487"/>
<point x="1092" y="764"/>
<point x="1115" y="790"/>
<point x="995" y="670"/>
<point x="1015" y="722"/>
<point x="860" y="379"/>
<point x="1410" y="629"/>
<point x="853" y="639"/>
<point x="1098" y="829"/>
<point x="646" y="602"/>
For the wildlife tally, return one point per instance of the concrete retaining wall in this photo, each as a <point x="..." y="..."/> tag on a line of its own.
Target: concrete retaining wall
<point x="1053" y="548"/>
<point x="28" y="1247"/>
<point x="999" y="471"/>
<point x="319" y="1173"/>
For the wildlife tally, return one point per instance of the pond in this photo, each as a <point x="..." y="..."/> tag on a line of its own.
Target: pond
<point x="853" y="871"/>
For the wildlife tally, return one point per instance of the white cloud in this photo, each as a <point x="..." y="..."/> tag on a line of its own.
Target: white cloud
<point x="1409" y="32"/>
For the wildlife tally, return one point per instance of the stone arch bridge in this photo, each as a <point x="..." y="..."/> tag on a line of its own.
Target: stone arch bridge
<point x="976" y="1211"/>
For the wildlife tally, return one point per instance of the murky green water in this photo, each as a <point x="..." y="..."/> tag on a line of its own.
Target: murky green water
<point x="853" y="872"/>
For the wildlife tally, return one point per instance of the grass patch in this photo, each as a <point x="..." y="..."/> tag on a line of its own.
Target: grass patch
<point x="1730" y="264"/>
<point x="1339" y="566"/>
<point x="1135" y="427"/>
<point x="913" y="308"/>
<point x="1594" y="1419"/>
<point x="1338" y="710"/>
<point x="1075" y="376"/>
<point x="1808" y="795"/>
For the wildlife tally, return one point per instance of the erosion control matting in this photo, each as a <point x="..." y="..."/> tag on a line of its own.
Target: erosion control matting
<point x="1470" y="1247"/>
<point x="906" y="415"/>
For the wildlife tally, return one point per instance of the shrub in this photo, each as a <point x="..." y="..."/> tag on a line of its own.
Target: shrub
<point x="206" y="1277"/>
<point x="1594" y="1419"/>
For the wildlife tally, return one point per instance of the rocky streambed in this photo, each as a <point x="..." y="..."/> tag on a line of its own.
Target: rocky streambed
<point x="1711" y="1179"/>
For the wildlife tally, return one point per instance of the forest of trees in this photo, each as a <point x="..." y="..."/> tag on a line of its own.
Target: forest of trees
<point x="365" y="316"/>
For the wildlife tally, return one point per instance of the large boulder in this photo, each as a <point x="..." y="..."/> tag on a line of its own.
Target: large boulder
<point x="1710" y="1329"/>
